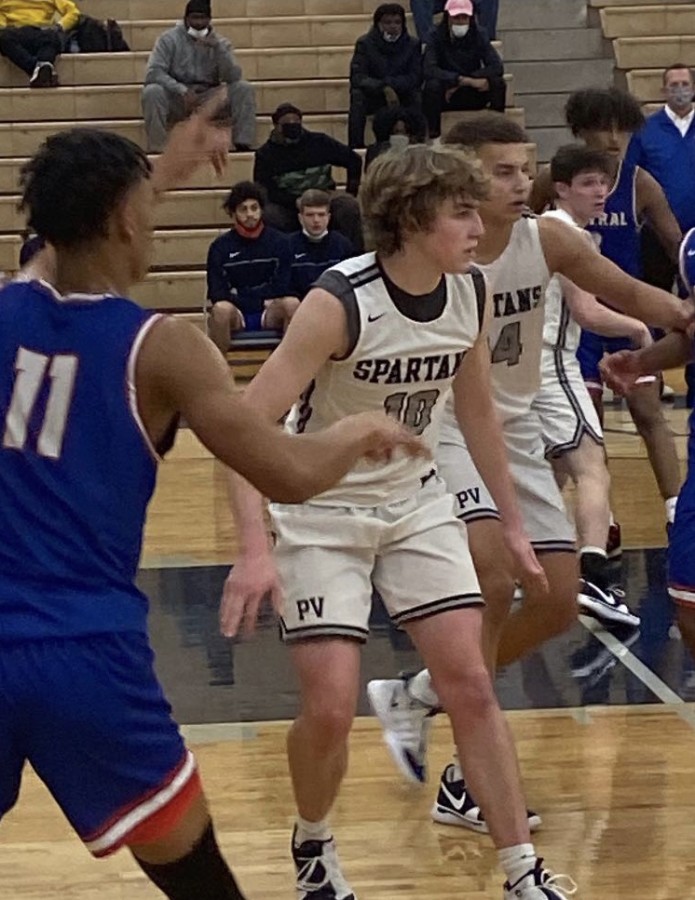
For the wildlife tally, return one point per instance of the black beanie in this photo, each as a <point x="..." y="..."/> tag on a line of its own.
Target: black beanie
<point x="198" y="6"/>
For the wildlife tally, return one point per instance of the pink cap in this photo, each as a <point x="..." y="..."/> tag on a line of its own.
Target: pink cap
<point x="459" y="7"/>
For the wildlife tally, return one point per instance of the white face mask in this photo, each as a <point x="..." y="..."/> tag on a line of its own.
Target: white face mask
<point x="399" y="141"/>
<point x="199" y="32"/>
<point x="315" y="237"/>
<point x="459" y="31"/>
<point x="389" y="37"/>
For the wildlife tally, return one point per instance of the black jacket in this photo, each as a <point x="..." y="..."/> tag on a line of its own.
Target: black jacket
<point x="447" y="58"/>
<point x="378" y="64"/>
<point x="287" y="170"/>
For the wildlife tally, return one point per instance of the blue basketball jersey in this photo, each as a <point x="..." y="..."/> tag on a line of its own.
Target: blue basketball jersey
<point x="76" y="467"/>
<point x="617" y="230"/>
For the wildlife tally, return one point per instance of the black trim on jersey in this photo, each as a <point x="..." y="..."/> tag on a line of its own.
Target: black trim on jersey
<point x="342" y="288"/>
<point x="416" y="307"/>
<point x="583" y="425"/>
<point x="458" y="601"/>
<point x="564" y="324"/>
<point x="364" y="276"/>
<point x="480" y="293"/>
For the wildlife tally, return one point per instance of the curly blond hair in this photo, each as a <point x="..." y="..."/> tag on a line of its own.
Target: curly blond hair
<point x="404" y="190"/>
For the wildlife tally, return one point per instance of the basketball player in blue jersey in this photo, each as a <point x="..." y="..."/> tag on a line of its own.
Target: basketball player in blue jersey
<point x="91" y="391"/>
<point x="622" y="370"/>
<point x="606" y="120"/>
<point x="405" y="330"/>
<point x="518" y="254"/>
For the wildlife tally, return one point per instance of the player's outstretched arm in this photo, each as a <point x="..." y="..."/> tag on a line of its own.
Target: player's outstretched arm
<point x="198" y="140"/>
<point x="622" y="370"/>
<point x="479" y="421"/>
<point x="180" y="370"/>
<point x="594" y="316"/>
<point x="568" y="254"/>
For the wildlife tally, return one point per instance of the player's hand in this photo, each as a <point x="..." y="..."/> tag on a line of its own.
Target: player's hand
<point x="193" y="142"/>
<point x="620" y="371"/>
<point x="253" y="577"/>
<point x="642" y="336"/>
<point x="524" y="560"/>
<point x="381" y="436"/>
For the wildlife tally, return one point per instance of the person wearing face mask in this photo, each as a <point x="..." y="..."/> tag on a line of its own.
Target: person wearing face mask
<point x="294" y="159"/>
<point x="463" y="71"/>
<point x="424" y="11"/>
<point x="386" y="69"/>
<point x="248" y="270"/>
<point x="665" y="147"/>
<point x="394" y="129"/>
<point x="315" y="249"/>
<point x="188" y="62"/>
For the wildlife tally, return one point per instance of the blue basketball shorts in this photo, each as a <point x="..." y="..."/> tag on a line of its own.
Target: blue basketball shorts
<point x="590" y="353"/>
<point x="90" y="716"/>
<point x="681" y="549"/>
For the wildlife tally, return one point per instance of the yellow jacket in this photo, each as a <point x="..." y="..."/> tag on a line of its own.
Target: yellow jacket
<point x="39" y="13"/>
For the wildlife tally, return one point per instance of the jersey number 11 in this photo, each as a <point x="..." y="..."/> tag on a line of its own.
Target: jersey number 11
<point x="31" y="369"/>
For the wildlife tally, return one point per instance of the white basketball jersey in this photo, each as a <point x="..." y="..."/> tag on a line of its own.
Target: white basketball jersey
<point x="395" y="363"/>
<point x="518" y="279"/>
<point x="561" y="332"/>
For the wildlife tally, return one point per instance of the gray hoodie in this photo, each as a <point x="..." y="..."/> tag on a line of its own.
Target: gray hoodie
<point x="179" y="62"/>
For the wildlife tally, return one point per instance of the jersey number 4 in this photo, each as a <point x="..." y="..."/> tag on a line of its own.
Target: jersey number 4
<point x="508" y="347"/>
<point x="32" y="370"/>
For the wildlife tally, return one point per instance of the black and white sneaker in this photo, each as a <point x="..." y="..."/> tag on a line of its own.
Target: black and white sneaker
<point x="43" y="75"/>
<point x="455" y="806"/>
<point x="406" y="724"/>
<point x="540" y="883"/>
<point x="605" y="605"/>
<point x="318" y="871"/>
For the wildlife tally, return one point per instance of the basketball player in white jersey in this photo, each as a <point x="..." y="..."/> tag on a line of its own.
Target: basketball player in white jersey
<point x="395" y="330"/>
<point x="518" y="254"/>
<point x="606" y="119"/>
<point x="572" y="432"/>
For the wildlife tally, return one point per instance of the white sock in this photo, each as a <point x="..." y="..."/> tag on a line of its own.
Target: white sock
<point x="601" y="551"/>
<point x="516" y="861"/>
<point x="312" y="831"/>
<point x="420" y="688"/>
<point x="457" y="774"/>
<point x="670" y="505"/>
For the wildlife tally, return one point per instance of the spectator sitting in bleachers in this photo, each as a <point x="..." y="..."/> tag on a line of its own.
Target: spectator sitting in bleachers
<point x="293" y="160"/>
<point x="424" y="11"/>
<point x="395" y="127"/>
<point x="315" y="248"/>
<point x="386" y="70"/>
<point x="187" y="62"/>
<point x="463" y="71"/>
<point x="31" y="35"/>
<point x="248" y="270"/>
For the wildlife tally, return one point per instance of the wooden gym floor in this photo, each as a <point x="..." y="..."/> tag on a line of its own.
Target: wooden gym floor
<point x="604" y="728"/>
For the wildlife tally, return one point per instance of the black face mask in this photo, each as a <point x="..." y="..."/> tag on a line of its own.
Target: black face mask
<point x="291" y="131"/>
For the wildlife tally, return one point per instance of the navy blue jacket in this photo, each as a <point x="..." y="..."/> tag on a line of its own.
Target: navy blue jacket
<point x="311" y="258"/>
<point x="257" y="269"/>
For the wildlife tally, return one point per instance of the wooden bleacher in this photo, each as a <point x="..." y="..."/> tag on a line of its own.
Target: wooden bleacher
<point x="647" y="38"/>
<point x="296" y="50"/>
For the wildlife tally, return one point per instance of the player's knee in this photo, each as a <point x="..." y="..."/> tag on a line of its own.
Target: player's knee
<point x="686" y="624"/>
<point x="497" y="588"/>
<point x="462" y="687"/>
<point x="330" y="717"/>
